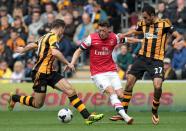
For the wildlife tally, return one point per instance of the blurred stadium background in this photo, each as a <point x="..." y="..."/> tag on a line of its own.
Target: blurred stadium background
<point x="24" y="21"/>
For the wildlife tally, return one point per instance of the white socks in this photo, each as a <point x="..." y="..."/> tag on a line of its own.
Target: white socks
<point x="118" y="107"/>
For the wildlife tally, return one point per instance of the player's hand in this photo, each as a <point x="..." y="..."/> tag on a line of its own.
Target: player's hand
<point x="121" y="36"/>
<point x="19" y="50"/>
<point x="69" y="67"/>
<point x="174" y="42"/>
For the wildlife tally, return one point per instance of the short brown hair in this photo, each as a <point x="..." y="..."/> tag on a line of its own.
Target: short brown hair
<point x="58" y="23"/>
<point x="104" y="23"/>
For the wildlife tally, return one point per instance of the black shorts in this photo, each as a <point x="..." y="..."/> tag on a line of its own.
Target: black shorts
<point x="152" y="66"/>
<point x="41" y="80"/>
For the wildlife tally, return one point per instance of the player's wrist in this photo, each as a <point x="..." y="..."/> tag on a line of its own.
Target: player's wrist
<point x="126" y="40"/>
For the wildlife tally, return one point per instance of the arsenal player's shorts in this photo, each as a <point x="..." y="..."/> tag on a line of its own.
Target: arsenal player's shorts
<point x="104" y="80"/>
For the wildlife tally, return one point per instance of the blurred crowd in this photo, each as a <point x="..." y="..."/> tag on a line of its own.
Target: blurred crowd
<point x="24" y="21"/>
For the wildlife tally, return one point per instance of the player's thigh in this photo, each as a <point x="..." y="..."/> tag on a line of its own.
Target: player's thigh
<point x="55" y="79"/>
<point x="101" y="81"/>
<point x="40" y="82"/>
<point x="39" y="99"/>
<point x="138" y="68"/>
<point x="115" y="80"/>
<point x="64" y="86"/>
<point x="109" y="90"/>
<point x="58" y="82"/>
<point x="155" y="69"/>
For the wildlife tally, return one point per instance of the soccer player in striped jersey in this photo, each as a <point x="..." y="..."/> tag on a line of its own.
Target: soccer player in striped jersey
<point x="150" y="57"/>
<point x="43" y="74"/>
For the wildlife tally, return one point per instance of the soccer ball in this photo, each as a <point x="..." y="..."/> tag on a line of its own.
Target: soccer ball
<point x="65" y="115"/>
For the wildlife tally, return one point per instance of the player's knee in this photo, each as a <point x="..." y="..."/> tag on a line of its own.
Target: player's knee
<point x="157" y="84"/>
<point x="38" y="104"/>
<point x="120" y="94"/>
<point x="129" y="86"/>
<point x="70" y="91"/>
<point x="109" y="90"/>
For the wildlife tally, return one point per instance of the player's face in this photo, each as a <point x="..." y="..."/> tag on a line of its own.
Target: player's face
<point x="60" y="31"/>
<point x="103" y="32"/>
<point x="148" y="19"/>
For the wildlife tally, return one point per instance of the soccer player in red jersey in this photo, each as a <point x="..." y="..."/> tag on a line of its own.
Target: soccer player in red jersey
<point x="102" y="66"/>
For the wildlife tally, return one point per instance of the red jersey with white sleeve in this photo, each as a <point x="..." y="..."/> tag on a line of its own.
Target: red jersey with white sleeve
<point x="101" y="60"/>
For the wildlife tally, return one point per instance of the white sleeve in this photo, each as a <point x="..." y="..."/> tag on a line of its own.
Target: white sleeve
<point x="86" y="43"/>
<point x="118" y="38"/>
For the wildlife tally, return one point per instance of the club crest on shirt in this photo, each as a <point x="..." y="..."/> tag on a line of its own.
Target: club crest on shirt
<point x="111" y="42"/>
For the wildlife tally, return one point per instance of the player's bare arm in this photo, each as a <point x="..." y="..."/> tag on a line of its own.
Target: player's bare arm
<point x="132" y="32"/>
<point x="76" y="55"/>
<point x="27" y="48"/>
<point x="133" y="40"/>
<point x="57" y="54"/>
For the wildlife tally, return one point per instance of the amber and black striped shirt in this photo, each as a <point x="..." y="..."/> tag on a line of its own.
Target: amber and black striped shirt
<point x="155" y="37"/>
<point x="45" y="59"/>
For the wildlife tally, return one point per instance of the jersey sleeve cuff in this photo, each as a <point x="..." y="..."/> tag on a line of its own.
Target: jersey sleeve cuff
<point x="83" y="46"/>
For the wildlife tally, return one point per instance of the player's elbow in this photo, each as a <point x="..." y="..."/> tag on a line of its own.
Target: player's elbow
<point x="79" y="51"/>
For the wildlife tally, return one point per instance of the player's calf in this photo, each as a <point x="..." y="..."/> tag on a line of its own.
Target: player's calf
<point x="26" y="100"/>
<point x="119" y="108"/>
<point x="37" y="104"/>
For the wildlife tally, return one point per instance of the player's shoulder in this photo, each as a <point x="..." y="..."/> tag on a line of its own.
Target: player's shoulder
<point x="52" y="37"/>
<point x="141" y="23"/>
<point x="93" y="34"/>
<point x="166" y="22"/>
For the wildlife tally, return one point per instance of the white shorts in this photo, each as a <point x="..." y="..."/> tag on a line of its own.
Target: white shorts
<point x="104" y="80"/>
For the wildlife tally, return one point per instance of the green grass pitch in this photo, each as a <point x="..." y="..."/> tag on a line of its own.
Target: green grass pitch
<point x="47" y="121"/>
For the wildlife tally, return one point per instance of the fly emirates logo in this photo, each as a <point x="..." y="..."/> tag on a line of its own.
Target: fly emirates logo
<point x="104" y="51"/>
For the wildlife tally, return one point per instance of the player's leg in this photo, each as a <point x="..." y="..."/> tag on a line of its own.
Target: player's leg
<point x="136" y="72"/>
<point x="156" y="100"/>
<point x="37" y="101"/>
<point x="155" y="69"/>
<point x="125" y="96"/>
<point x="61" y="84"/>
<point x="64" y="86"/>
<point x="116" y="103"/>
<point x="120" y="95"/>
<point x="39" y="87"/>
<point x="104" y="83"/>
